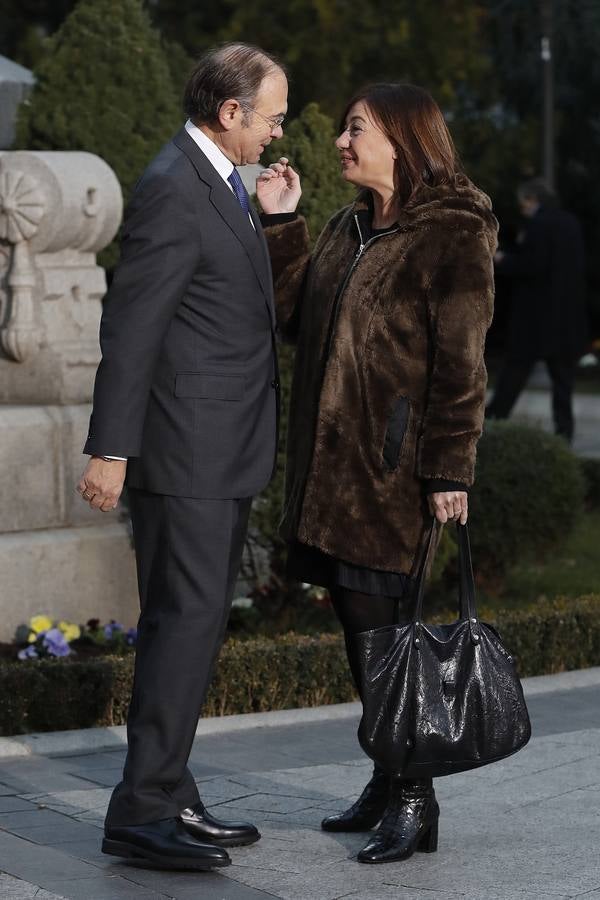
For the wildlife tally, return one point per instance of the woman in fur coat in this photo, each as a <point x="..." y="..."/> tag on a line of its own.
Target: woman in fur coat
<point x="389" y="314"/>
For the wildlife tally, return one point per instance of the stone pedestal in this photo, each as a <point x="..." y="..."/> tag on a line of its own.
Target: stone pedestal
<point x="57" y="210"/>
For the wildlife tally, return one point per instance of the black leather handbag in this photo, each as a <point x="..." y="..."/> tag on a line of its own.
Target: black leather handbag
<point x="439" y="699"/>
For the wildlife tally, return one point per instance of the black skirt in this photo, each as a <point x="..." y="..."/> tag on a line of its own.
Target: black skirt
<point x="312" y="566"/>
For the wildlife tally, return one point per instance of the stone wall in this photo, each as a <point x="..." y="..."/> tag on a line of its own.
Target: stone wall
<point x="57" y="210"/>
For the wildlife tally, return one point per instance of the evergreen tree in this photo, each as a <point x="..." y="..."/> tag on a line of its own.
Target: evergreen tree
<point x="103" y="86"/>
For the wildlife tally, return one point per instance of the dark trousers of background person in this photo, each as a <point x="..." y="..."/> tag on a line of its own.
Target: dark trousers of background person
<point x="512" y="379"/>
<point x="188" y="555"/>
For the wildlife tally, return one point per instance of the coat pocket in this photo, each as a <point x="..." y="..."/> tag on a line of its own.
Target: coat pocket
<point x="207" y="386"/>
<point x="396" y="432"/>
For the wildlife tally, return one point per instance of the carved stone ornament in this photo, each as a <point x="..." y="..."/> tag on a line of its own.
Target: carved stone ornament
<point x="21" y="206"/>
<point x="21" y="210"/>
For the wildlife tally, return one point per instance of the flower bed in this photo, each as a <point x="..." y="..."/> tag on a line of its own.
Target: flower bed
<point x="273" y="673"/>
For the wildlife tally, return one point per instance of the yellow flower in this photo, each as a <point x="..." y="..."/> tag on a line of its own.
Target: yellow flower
<point x="70" y="630"/>
<point x="40" y="623"/>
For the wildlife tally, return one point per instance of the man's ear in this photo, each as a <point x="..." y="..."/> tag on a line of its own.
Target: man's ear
<point x="230" y="112"/>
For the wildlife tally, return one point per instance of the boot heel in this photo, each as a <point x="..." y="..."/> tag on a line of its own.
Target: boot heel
<point x="429" y="841"/>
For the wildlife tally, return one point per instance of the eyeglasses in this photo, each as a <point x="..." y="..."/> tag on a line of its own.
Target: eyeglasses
<point x="273" y="121"/>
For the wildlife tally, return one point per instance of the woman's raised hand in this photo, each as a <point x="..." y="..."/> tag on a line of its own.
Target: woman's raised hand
<point x="449" y="506"/>
<point x="278" y="188"/>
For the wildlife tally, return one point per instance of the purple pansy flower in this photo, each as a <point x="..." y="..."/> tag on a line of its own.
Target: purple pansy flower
<point x="131" y="636"/>
<point x="28" y="653"/>
<point x="55" y="643"/>
<point x="111" y="629"/>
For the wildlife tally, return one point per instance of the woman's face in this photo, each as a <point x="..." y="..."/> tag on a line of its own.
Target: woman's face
<point x="366" y="154"/>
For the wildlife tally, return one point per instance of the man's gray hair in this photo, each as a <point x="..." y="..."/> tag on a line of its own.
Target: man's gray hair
<point x="230" y="71"/>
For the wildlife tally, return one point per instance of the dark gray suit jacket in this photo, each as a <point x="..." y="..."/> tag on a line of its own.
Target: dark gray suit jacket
<point x="187" y="387"/>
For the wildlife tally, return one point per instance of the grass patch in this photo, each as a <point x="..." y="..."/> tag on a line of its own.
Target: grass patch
<point x="571" y="571"/>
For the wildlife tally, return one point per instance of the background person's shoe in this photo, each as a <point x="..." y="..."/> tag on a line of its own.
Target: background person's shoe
<point x="165" y="844"/>
<point x="367" y="811"/>
<point x="204" y="827"/>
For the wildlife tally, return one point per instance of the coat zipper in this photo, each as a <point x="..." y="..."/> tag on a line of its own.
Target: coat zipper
<point x="340" y="291"/>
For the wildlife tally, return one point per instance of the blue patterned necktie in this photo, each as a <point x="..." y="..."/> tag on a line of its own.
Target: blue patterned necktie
<point x="240" y="191"/>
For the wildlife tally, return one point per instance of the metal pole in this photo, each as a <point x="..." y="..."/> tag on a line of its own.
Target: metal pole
<point x="548" y="92"/>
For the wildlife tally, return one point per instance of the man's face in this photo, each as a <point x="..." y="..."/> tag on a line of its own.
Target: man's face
<point x="255" y="127"/>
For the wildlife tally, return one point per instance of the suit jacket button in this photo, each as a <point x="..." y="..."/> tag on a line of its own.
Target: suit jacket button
<point x="275" y="383"/>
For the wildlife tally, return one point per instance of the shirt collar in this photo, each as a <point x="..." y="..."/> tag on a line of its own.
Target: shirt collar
<point x="214" y="155"/>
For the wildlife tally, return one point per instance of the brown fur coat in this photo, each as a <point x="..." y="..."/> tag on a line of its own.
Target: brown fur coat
<point x="389" y="390"/>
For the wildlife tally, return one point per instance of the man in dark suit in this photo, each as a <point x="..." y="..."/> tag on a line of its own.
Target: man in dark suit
<point x="547" y="316"/>
<point x="185" y="412"/>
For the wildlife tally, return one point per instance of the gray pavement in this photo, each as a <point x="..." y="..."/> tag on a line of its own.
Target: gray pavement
<point x="534" y="407"/>
<point x="528" y="827"/>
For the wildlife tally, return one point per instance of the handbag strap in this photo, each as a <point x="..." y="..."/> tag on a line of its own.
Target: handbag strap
<point x="466" y="592"/>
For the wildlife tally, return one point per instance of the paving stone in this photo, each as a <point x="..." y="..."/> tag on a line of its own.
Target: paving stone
<point x="89" y="761"/>
<point x="93" y="817"/>
<point x="227" y="889"/>
<point x="104" y="887"/>
<point x="17" y="889"/>
<point x="74" y="802"/>
<point x="195" y="885"/>
<point x="102" y="778"/>
<point x="87" y="849"/>
<point x="32" y="818"/>
<point x="37" y="863"/>
<point x="264" y="803"/>
<point x="69" y="831"/>
<point x="14" y="804"/>
<point x="6" y="790"/>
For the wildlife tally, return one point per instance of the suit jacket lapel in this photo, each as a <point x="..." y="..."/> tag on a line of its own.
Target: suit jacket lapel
<point x="266" y="263"/>
<point x="228" y="207"/>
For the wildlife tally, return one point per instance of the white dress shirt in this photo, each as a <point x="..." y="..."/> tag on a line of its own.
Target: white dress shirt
<point x="219" y="161"/>
<point x="214" y="155"/>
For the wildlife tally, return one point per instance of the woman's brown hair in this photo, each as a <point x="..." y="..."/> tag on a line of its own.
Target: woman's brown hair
<point x="414" y="125"/>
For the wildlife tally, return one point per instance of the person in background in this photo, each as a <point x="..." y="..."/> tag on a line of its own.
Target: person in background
<point x="389" y="314"/>
<point x="547" y="317"/>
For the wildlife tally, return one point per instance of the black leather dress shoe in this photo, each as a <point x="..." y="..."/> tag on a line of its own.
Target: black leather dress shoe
<point x="205" y="827"/>
<point x="165" y="844"/>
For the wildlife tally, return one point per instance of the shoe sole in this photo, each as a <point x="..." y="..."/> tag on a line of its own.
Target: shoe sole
<point x="138" y="854"/>
<point x="232" y="842"/>
<point x="224" y="842"/>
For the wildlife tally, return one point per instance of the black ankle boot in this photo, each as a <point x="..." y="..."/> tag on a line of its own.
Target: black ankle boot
<point x="367" y="811"/>
<point x="410" y="823"/>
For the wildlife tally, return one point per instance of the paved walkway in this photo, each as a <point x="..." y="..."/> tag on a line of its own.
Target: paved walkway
<point x="535" y="407"/>
<point x="527" y="828"/>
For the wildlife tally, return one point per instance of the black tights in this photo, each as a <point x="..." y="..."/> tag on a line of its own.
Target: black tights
<point x="360" y="612"/>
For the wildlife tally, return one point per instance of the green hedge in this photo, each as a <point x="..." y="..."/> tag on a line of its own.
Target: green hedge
<point x="262" y="674"/>
<point x="591" y="478"/>
<point x="527" y="497"/>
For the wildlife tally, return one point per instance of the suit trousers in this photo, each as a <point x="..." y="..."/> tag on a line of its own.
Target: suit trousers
<point x="513" y="378"/>
<point x="188" y="553"/>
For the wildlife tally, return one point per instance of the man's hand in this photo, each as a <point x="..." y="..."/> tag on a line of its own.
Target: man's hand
<point x="102" y="482"/>
<point x="278" y="188"/>
<point x="449" y="506"/>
